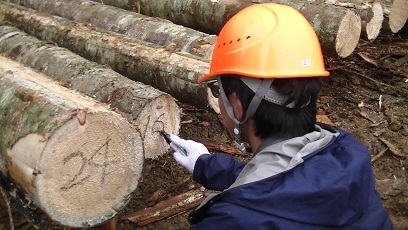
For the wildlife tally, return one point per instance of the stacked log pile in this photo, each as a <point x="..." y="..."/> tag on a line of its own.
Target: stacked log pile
<point x="335" y="21"/>
<point x="147" y="108"/>
<point x="158" y="66"/>
<point x="71" y="155"/>
<point x="138" y="57"/>
<point x="153" y="30"/>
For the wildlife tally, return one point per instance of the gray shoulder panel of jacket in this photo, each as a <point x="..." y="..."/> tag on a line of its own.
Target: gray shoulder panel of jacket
<point x="282" y="156"/>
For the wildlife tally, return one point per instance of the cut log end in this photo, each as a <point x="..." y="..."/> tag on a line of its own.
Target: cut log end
<point x="162" y="114"/>
<point x="374" y="26"/>
<point x="76" y="159"/>
<point x="85" y="175"/>
<point x="348" y="34"/>
<point x="398" y="15"/>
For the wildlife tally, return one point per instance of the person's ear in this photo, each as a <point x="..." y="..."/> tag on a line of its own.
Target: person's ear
<point x="237" y="106"/>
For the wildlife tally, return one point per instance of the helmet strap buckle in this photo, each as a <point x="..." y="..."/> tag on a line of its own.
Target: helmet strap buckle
<point x="253" y="106"/>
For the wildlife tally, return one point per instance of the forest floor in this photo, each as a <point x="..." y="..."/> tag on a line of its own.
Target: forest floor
<point x="366" y="94"/>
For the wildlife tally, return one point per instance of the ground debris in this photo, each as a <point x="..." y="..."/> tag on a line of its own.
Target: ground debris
<point x="393" y="149"/>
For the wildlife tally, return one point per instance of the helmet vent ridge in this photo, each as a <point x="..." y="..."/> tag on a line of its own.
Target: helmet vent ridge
<point x="230" y="42"/>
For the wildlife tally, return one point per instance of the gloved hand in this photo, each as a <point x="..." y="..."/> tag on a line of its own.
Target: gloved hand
<point x="193" y="149"/>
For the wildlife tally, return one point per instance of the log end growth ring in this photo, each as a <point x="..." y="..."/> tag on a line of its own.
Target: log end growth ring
<point x="348" y="34"/>
<point x="86" y="175"/>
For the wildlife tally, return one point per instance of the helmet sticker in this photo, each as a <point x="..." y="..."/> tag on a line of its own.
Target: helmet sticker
<point x="306" y="63"/>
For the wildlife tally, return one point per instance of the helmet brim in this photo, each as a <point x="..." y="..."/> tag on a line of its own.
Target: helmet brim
<point x="212" y="76"/>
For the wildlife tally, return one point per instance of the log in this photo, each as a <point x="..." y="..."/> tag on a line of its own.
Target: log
<point x="374" y="19"/>
<point x="372" y="15"/>
<point x="338" y="28"/>
<point x="146" y="108"/>
<point x="153" y="30"/>
<point x="77" y="160"/>
<point x="159" y="67"/>
<point x="167" y="208"/>
<point x="398" y="15"/>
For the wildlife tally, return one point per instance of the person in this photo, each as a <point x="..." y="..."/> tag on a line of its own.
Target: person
<point x="266" y="70"/>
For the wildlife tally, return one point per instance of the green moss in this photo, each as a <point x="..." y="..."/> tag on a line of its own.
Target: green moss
<point x="82" y="68"/>
<point x="40" y="44"/>
<point x="20" y="115"/>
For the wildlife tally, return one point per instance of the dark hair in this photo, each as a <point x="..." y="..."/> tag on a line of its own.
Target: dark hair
<point x="271" y="119"/>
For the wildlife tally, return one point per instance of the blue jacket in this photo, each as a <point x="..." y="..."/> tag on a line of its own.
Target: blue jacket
<point x="333" y="188"/>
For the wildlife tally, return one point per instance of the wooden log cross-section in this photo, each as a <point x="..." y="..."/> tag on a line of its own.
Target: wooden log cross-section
<point x="72" y="156"/>
<point x="150" y="64"/>
<point x="146" y="108"/>
<point x="398" y="15"/>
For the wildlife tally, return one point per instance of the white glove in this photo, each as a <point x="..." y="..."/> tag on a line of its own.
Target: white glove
<point x="193" y="150"/>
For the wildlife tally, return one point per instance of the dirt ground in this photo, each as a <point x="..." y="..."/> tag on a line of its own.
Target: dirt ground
<point x="366" y="94"/>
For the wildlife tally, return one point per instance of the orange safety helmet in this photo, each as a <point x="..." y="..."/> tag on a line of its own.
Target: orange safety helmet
<point x="267" y="41"/>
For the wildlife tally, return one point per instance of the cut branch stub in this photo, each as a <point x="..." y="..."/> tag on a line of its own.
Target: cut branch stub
<point x="76" y="159"/>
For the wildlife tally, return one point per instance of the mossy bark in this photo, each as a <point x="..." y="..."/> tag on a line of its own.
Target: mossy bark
<point x="145" y="107"/>
<point x="77" y="160"/>
<point x="154" y="30"/>
<point x="159" y="67"/>
<point x="210" y="16"/>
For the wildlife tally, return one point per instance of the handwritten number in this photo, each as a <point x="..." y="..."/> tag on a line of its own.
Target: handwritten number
<point x="79" y="178"/>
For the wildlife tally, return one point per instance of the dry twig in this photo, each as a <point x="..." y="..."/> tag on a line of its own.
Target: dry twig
<point x="110" y="225"/>
<point x="223" y="148"/>
<point x="393" y="149"/>
<point x="161" y="193"/>
<point x="6" y="201"/>
<point x="167" y="208"/>
<point x="379" y="155"/>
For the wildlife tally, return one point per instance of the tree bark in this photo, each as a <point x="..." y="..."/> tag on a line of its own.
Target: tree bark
<point x="146" y="108"/>
<point x="153" y="30"/>
<point x="156" y="66"/>
<point x="338" y="28"/>
<point x="73" y="157"/>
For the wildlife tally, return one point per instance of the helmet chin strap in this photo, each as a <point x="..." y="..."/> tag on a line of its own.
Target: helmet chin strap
<point x="253" y="106"/>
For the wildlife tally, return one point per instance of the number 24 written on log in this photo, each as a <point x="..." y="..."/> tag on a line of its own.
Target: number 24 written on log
<point x="81" y="176"/>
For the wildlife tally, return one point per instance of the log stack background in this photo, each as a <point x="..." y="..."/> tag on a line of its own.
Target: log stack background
<point x="139" y="57"/>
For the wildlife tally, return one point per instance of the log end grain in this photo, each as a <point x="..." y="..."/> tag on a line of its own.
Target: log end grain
<point x="374" y="26"/>
<point x="74" y="157"/>
<point x="86" y="175"/>
<point x="162" y="113"/>
<point x="398" y="15"/>
<point x="348" y="34"/>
